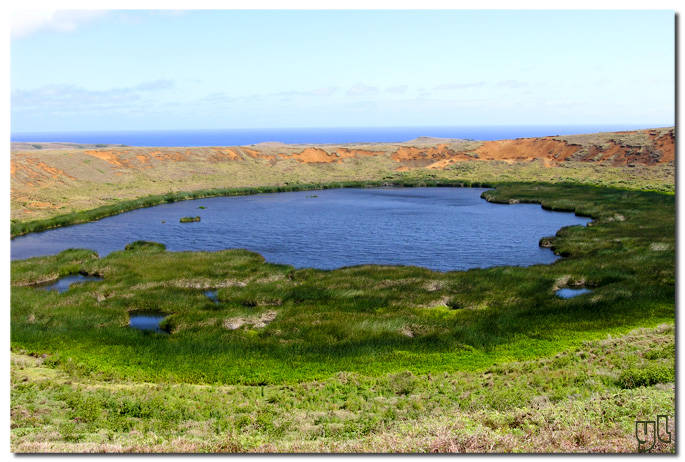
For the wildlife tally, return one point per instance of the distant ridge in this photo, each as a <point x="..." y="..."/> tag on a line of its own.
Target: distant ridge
<point x="432" y="140"/>
<point x="270" y="143"/>
<point x="47" y="179"/>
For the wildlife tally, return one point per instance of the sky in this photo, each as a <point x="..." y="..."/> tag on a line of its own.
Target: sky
<point x="100" y="70"/>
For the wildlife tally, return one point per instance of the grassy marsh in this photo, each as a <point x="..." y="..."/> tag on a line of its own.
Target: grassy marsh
<point x="366" y="358"/>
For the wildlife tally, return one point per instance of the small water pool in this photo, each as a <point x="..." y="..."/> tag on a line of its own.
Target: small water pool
<point x="211" y="294"/>
<point x="147" y="320"/>
<point x="570" y="293"/>
<point x="63" y="283"/>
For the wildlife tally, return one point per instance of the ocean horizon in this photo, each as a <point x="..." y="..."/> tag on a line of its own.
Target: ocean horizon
<point x="333" y="135"/>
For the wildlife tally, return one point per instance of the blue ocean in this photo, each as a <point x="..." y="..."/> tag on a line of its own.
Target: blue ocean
<point x="241" y="137"/>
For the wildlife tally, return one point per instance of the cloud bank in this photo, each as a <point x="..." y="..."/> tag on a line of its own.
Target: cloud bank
<point x="28" y="22"/>
<point x="68" y="96"/>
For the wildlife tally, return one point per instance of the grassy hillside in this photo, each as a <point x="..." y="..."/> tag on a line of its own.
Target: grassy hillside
<point x="574" y="401"/>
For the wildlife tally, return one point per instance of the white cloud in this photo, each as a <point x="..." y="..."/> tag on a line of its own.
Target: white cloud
<point x="72" y="97"/>
<point x="397" y="89"/>
<point x="323" y="91"/>
<point x="423" y="93"/>
<point x="27" y="22"/>
<point x="511" y="84"/>
<point x="361" y="89"/>
<point x="458" y="86"/>
<point x="219" y="97"/>
<point x="69" y="96"/>
<point x="160" y="84"/>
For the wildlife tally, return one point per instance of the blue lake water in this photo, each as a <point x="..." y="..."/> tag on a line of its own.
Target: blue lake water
<point x="238" y="137"/>
<point x="439" y="228"/>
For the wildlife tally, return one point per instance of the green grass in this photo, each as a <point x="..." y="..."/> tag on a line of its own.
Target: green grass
<point x="569" y="402"/>
<point x="365" y="358"/>
<point x="365" y="319"/>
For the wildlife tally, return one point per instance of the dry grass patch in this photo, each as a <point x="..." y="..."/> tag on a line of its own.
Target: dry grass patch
<point x="256" y="322"/>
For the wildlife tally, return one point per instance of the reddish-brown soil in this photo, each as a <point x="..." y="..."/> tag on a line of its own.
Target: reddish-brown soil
<point x="526" y="149"/>
<point x="39" y="168"/>
<point x="666" y="144"/>
<point x="27" y="169"/>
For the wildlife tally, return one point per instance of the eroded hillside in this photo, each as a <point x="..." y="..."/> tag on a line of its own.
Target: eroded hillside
<point x="52" y="178"/>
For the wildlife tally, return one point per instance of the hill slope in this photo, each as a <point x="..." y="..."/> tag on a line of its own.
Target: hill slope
<point x="48" y="179"/>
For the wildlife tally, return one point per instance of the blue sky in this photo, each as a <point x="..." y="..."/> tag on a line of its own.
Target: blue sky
<point x="127" y="70"/>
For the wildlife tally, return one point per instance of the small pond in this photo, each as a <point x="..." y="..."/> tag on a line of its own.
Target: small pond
<point x="442" y="229"/>
<point x="147" y="320"/>
<point x="63" y="283"/>
<point x="570" y="293"/>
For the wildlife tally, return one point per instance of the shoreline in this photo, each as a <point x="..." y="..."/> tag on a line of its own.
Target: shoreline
<point x="489" y="194"/>
<point x="20" y="228"/>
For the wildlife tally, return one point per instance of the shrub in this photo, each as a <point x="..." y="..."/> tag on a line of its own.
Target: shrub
<point x="189" y="219"/>
<point x="403" y="383"/>
<point x="646" y="376"/>
<point x="145" y="245"/>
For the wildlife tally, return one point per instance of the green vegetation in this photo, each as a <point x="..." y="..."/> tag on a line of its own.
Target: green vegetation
<point x="146" y="246"/>
<point x="365" y="358"/>
<point x="326" y="321"/>
<point x="569" y="402"/>
<point x="189" y="219"/>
